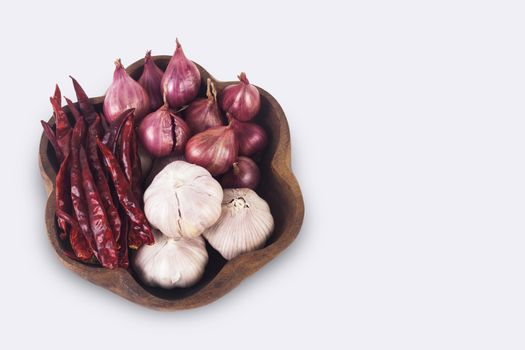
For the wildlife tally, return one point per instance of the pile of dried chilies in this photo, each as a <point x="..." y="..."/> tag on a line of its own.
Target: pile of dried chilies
<point x="98" y="194"/>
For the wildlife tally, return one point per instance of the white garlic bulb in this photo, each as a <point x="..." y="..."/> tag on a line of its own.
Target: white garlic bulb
<point x="244" y="225"/>
<point x="183" y="200"/>
<point x="171" y="262"/>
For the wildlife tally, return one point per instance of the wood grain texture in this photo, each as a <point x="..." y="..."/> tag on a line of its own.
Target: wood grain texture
<point x="278" y="187"/>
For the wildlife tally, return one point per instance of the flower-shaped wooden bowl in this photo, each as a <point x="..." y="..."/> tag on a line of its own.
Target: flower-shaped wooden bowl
<point x="278" y="187"/>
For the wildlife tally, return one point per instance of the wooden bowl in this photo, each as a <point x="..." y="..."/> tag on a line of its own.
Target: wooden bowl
<point x="278" y="187"/>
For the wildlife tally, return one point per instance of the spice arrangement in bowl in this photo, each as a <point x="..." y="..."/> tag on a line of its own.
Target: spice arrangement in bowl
<point x="159" y="177"/>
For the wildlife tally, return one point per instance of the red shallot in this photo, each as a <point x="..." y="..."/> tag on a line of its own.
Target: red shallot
<point x="243" y="174"/>
<point x="125" y="93"/>
<point x="241" y="100"/>
<point x="150" y="81"/>
<point x="181" y="80"/>
<point x="251" y="138"/>
<point x="163" y="132"/>
<point x="214" y="149"/>
<point x="204" y="113"/>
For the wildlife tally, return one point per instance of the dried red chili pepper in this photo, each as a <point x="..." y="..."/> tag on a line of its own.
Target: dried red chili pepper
<point x="104" y="239"/>
<point x="125" y="149"/>
<point x="103" y="121"/>
<point x="84" y="104"/>
<point x="94" y="132"/>
<point x="128" y="154"/>
<point x="135" y="240"/>
<point x="112" y="134"/>
<point x="62" y="195"/>
<point x="126" y="196"/>
<point x="123" y="259"/>
<point x="50" y="134"/>
<point x="57" y="95"/>
<point x="135" y="159"/>
<point x="62" y="126"/>
<point x="129" y="157"/>
<point x="74" y="110"/>
<point x="78" y="243"/>
<point x="77" y="192"/>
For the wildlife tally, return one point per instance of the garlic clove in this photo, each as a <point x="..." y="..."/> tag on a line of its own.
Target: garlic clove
<point x="196" y="214"/>
<point x="244" y="225"/>
<point x="170" y="262"/>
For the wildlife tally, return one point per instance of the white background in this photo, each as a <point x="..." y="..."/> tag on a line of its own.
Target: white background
<point x="408" y="134"/>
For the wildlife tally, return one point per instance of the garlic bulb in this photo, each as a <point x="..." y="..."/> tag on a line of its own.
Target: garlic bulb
<point x="183" y="200"/>
<point x="171" y="262"/>
<point x="244" y="225"/>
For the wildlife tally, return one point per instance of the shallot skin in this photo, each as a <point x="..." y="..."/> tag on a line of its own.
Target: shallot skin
<point x="182" y="134"/>
<point x="155" y="133"/>
<point x="251" y="137"/>
<point x="150" y="80"/>
<point x="241" y="100"/>
<point x="204" y="113"/>
<point x="125" y="93"/>
<point x="243" y="174"/>
<point x="163" y="133"/>
<point x="214" y="149"/>
<point x="181" y="80"/>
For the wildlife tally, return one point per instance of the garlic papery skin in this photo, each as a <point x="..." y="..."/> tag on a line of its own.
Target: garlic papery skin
<point x="183" y="200"/>
<point x="171" y="262"/>
<point x="245" y="223"/>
